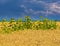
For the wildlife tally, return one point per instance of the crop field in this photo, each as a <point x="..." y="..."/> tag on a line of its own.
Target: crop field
<point x="29" y="33"/>
<point x="31" y="38"/>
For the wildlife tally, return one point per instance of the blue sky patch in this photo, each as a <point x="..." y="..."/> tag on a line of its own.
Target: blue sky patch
<point x="33" y="8"/>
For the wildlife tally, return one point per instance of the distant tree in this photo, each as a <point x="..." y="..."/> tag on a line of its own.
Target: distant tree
<point x="3" y="20"/>
<point x="27" y="19"/>
<point x="28" y="23"/>
<point x="19" y="20"/>
<point x="12" y="20"/>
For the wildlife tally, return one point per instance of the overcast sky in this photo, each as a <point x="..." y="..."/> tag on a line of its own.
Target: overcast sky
<point x="33" y="8"/>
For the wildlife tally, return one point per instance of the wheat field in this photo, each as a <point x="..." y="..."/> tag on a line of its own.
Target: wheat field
<point x="31" y="38"/>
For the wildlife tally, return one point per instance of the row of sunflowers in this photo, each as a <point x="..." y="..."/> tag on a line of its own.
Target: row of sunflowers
<point x="19" y="24"/>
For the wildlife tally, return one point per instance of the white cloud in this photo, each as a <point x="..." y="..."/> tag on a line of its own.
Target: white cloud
<point x="50" y="8"/>
<point x="23" y="6"/>
<point x="54" y="7"/>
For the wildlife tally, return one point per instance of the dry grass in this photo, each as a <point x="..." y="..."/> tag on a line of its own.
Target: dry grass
<point x="31" y="38"/>
<point x="58" y="23"/>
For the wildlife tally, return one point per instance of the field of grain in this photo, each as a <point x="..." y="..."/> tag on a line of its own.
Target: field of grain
<point x="31" y="38"/>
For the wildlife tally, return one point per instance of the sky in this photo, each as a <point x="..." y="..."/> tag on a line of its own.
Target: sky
<point x="34" y="8"/>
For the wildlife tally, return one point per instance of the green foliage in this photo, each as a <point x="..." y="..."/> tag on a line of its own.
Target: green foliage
<point x="12" y="20"/>
<point x="19" y="24"/>
<point x="3" y="20"/>
<point x="28" y="24"/>
<point x="6" y="29"/>
<point x="19" y="20"/>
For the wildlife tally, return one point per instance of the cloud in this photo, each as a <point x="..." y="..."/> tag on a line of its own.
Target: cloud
<point x="49" y="8"/>
<point x="22" y="6"/>
<point x="25" y="8"/>
<point x="54" y="7"/>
